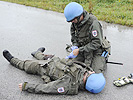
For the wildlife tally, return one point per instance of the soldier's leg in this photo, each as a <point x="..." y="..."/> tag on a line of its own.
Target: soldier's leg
<point x="39" y="54"/>
<point x="29" y="66"/>
<point x="99" y="64"/>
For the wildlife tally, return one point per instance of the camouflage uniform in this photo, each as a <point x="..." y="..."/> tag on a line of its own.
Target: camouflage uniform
<point x="61" y="76"/>
<point x="88" y="36"/>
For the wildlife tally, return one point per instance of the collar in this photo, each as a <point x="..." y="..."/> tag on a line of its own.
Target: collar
<point x="86" y="17"/>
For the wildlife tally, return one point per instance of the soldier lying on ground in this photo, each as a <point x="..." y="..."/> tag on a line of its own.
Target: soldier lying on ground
<point x="60" y="76"/>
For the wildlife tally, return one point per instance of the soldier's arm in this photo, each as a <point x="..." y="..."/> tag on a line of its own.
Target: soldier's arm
<point x="96" y="37"/>
<point x="60" y="86"/>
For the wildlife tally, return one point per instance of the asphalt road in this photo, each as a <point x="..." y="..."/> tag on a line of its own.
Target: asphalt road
<point x="24" y="29"/>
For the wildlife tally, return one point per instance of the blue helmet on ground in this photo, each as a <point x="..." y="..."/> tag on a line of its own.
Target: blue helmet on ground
<point x="72" y="10"/>
<point x="95" y="83"/>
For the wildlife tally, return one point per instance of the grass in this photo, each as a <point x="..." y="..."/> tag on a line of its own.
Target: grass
<point x="111" y="11"/>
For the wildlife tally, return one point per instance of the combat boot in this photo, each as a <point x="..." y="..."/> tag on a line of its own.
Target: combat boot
<point x="7" y="55"/>
<point x="45" y="57"/>
<point x="42" y="49"/>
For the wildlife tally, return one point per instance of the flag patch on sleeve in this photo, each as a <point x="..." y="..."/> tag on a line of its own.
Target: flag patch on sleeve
<point x="60" y="90"/>
<point x="94" y="33"/>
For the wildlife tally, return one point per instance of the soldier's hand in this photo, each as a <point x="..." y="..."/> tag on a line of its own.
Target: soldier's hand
<point x="75" y="52"/>
<point x="20" y="86"/>
<point x="71" y="55"/>
<point x="91" y="72"/>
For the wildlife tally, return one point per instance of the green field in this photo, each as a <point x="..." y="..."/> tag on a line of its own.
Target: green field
<point x="111" y="11"/>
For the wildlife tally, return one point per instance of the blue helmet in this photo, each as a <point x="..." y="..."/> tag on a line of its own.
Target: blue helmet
<point x="95" y="83"/>
<point x="72" y="10"/>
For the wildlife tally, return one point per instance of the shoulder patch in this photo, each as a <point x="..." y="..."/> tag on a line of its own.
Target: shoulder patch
<point x="94" y="33"/>
<point x="60" y="90"/>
